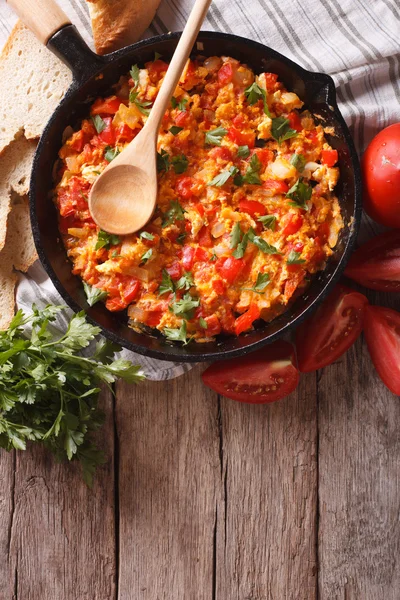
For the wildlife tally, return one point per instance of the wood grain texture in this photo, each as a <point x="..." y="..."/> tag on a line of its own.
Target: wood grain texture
<point x="7" y="469"/>
<point x="61" y="533"/>
<point x="359" y="475"/>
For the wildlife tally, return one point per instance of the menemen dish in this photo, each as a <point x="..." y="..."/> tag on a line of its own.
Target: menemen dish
<point x="246" y="211"/>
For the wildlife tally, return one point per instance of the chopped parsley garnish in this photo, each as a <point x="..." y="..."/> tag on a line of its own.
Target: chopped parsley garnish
<point x="254" y="93"/>
<point x="180" y="163"/>
<point x="236" y="235"/>
<point x="215" y="136"/>
<point x="299" y="193"/>
<point x="167" y="285"/>
<point x="298" y="161"/>
<point x="186" y="307"/>
<point x="181" y="238"/>
<point x="98" y="123"/>
<point x="294" y="258"/>
<point x="134" y="73"/>
<point x="110" y="153"/>
<point x="181" y="104"/>
<point x="269" y="221"/>
<point x="223" y="177"/>
<point x="175" y="129"/>
<point x="162" y="160"/>
<point x="145" y="235"/>
<point x="105" y="240"/>
<point x="203" y="323"/>
<point x="252" y="175"/>
<point x="263" y="279"/>
<point x="243" y="152"/>
<point x="185" y="282"/>
<point x="261" y="244"/>
<point x="213" y="257"/>
<point x="93" y="294"/>
<point x="157" y="55"/>
<point x="281" y="130"/>
<point x="142" y="106"/>
<point x="147" y="255"/>
<point x="174" y="213"/>
<point x="178" y="335"/>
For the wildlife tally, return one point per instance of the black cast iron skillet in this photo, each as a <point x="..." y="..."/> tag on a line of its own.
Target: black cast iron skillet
<point x="93" y="76"/>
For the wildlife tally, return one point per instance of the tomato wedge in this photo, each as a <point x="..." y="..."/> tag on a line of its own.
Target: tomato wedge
<point x="376" y="264"/>
<point x="382" y="334"/>
<point x="332" y="329"/>
<point x="264" y="376"/>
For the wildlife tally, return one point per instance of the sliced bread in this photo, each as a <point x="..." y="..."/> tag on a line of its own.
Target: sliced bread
<point x="19" y="241"/>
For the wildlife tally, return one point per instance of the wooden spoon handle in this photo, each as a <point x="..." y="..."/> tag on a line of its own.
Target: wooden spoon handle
<point x="178" y="61"/>
<point x="43" y="17"/>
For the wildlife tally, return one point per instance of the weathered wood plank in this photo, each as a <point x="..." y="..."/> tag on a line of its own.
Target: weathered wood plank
<point x="7" y="465"/>
<point x="267" y="519"/>
<point x="359" y="466"/>
<point x="61" y="534"/>
<point x="169" y="476"/>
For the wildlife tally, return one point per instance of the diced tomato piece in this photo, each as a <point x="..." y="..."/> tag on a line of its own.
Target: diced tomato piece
<point x="218" y="286"/>
<point x="187" y="257"/>
<point x="213" y="325"/>
<point x="312" y="136"/>
<point x="295" y="121"/>
<point x="77" y="141"/>
<point x="124" y="133"/>
<point x="153" y="318"/>
<point x="174" y="270"/>
<point x="296" y="277"/>
<point x="113" y="285"/>
<point x="108" y="133"/>
<point x="273" y="186"/>
<point x="109" y="106"/>
<point x="252" y="207"/>
<point x="270" y="80"/>
<point x="238" y="120"/>
<point x="115" y="303"/>
<point x="200" y="208"/>
<point x="230" y="268"/>
<point x="205" y="237"/>
<point x="241" y="138"/>
<point x="329" y="157"/>
<point x="225" y="74"/>
<point x="292" y="224"/>
<point x="265" y="156"/>
<point x="184" y="187"/>
<point x="65" y="206"/>
<point x="155" y="69"/>
<point x="131" y="289"/>
<point x="182" y="118"/>
<point x="221" y="152"/>
<point x="245" y="321"/>
<point x="200" y="255"/>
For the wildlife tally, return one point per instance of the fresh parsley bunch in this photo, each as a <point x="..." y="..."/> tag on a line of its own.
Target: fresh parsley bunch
<point x="49" y="391"/>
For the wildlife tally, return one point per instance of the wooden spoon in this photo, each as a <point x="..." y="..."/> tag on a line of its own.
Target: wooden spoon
<point x="123" y="197"/>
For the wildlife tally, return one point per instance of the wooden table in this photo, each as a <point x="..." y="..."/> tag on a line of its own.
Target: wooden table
<point x="203" y="498"/>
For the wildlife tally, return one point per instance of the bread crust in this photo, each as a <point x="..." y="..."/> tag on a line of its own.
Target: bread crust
<point x="118" y="23"/>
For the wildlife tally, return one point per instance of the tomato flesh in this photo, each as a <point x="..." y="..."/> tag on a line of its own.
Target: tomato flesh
<point x="108" y="106"/>
<point x="230" y="268"/>
<point x="263" y="376"/>
<point x="376" y="264"/>
<point x="381" y="177"/>
<point x="245" y="321"/>
<point x="329" y="157"/>
<point x="295" y="121"/>
<point x="332" y="329"/>
<point x="252" y="207"/>
<point x="382" y="334"/>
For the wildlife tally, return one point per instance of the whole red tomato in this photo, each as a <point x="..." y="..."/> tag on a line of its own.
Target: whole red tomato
<point x="381" y="175"/>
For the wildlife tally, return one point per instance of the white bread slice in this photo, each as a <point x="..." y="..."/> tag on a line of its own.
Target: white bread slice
<point x="19" y="242"/>
<point x="33" y="83"/>
<point x="8" y="280"/>
<point x="118" y="23"/>
<point x="15" y="169"/>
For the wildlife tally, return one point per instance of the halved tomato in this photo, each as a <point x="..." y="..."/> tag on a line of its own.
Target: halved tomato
<point x="332" y="329"/>
<point x="260" y="377"/>
<point x="376" y="264"/>
<point x="382" y="334"/>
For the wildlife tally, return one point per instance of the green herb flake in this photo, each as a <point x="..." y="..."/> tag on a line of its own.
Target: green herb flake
<point x="181" y="238"/>
<point x="254" y="93"/>
<point x="93" y="294"/>
<point x="134" y="73"/>
<point x="185" y="282"/>
<point x="186" y="307"/>
<point x="175" y="129"/>
<point x="180" y="104"/>
<point x="178" y="335"/>
<point x="252" y="175"/>
<point x="105" y="240"/>
<point x="294" y="258"/>
<point x="162" y="160"/>
<point x="142" y="106"/>
<point x="243" y="152"/>
<point x="167" y="285"/>
<point x="98" y="123"/>
<point x="281" y="130"/>
<point x="157" y="55"/>
<point x="174" y="213"/>
<point x="263" y="279"/>
<point x="110" y="153"/>
<point x="147" y="255"/>
<point x="262" y="244"/>
<point x="269" y="221"/>
<point x="145" y="235"/>
<point x="220" y="179"/>
<point x="300" y="193"/>
<point x="180" y="163"/>
<point x="203" y="323"/>
<point x="241" y="247"/>
<point x="215" y="136"/>
<point x="236" y="235"/>
<point x="298" y="161"/>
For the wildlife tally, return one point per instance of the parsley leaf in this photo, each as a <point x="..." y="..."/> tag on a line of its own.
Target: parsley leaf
<point x="298" y="161"/>
<point x="110" y="153"/>
<point x="241" y="247"/>
<point x="175" y="129"/>
<point x="262" y="244"/>
<point x="185" y="282"/>
<point x="134" y="73"/>
<point x="181" y="238"/>
<point x="223" y="177"/>
<point x="185" y="308"/>
<point x="243" y="152"/>
<point x="269" y="221"/>
<point x="167" y="285"/>
<point x="263" y="279"/>
<point x="174" y="213"/>
<point x="145" y="235"/>
<point x="142" y="106"/>
<point x="93" y="294"/>
<point x="203" y="323"/>
<point x="254" y="93"/>
<point x="252" y="176"/>
<point x="178" y="335"/>
<point x="157" y="55"/>
<point x="162" y="160"/>
<point x="147" y="255"/>
<point x="281" y="130"/>
<point x="236" y="235"/>
<point x="181" y="104"/>
<point x="98" y="123"/>
<point x="215" y="136"/>
<point x="180" y="163"/>
<point x="300" y="193"/>
<point x="294" y="258"/>
<point x="105" y="240"/>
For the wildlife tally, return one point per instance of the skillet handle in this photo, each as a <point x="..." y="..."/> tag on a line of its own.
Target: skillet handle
<point x="43" y="17"/>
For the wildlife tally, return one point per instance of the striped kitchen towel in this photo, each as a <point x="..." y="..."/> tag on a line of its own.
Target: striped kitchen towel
<point x="357" y="43"/>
